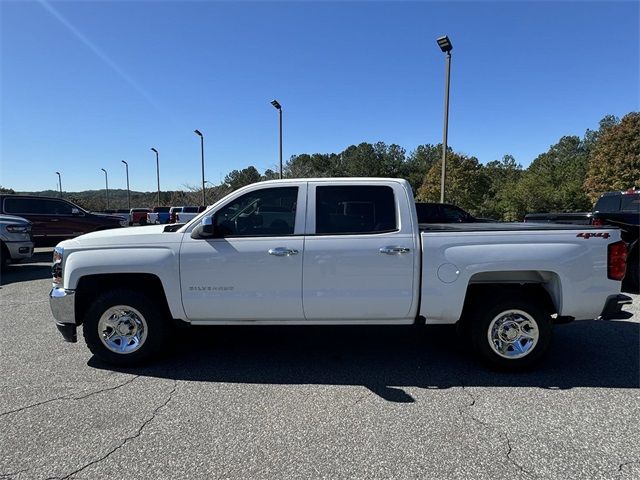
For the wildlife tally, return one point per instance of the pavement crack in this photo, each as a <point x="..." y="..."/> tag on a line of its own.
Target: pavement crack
<point x="12" y="474"/>
<point x="127" y="439"/>
<point x="622" y="465"/>
<point x="465" y="413"/>
<point x="68" y="397"/>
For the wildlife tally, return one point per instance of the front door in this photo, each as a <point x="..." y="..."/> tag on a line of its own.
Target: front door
<point x="252" y="270"/>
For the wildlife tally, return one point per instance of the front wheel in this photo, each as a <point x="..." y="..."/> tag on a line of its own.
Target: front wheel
<point x="511" y="334"/>
<point x="124" y="327"/>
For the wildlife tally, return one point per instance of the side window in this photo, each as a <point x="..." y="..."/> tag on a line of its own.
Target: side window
<point x="56" y="207"/>
<point x="24" y="206"/>
<point x="355" y="209"/>
<point x="608" y="203"/>
<point x="453" y="214"/>
<point x="427" y="212"/>
<point x="266" y="212"/>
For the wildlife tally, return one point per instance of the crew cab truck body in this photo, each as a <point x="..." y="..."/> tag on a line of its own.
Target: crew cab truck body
<point x="334" y="251"/>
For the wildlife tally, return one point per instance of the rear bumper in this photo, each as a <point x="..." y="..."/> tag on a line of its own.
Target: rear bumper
<point x="613" y="307"/>
<point x="62" y="303"/>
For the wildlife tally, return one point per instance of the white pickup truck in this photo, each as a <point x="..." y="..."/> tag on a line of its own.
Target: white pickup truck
<point x="334" y="251"/>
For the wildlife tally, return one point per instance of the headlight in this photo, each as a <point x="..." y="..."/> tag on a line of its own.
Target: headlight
<point x="124" y="223"/>
<point x="18" y="228"/>
<point x="56" y="268"/>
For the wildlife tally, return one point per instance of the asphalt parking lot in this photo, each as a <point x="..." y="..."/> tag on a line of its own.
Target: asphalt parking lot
<point x="294" y="402"/>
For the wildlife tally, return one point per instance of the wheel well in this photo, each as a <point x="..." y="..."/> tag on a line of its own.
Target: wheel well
<point x="480" y="292"/>
<point x="90" y="285"/>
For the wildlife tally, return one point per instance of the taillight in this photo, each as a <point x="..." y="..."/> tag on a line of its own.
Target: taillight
<point x="597" y="222"/>
<point x="617" y="260"/>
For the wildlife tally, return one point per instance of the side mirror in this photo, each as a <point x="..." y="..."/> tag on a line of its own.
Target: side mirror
<point x="75" y="211"/>
<point x="205" y="229"/>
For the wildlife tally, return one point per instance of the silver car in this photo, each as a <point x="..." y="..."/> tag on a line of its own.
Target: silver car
<point x="15" y="239"/>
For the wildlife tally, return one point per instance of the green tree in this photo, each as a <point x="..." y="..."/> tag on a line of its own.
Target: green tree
<point x="499" y="200"/>
<point x="614" y="162"/>
<point x="419" y="162"/>
<point x="239" y="178"/>
<point x="553" y="182"/>
<point x="466" y="182"/>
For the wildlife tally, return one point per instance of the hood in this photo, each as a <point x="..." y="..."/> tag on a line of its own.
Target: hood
<point x="131" y="236"/>
<point x="13" y="219"/>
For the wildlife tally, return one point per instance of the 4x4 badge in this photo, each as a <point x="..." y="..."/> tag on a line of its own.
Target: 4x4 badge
<point x="587" y="235"/>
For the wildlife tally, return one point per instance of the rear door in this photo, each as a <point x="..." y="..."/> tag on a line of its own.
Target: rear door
<point x="360" y="253"/>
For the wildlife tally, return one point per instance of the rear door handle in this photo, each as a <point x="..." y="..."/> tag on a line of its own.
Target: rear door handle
<point x="282" y="251"/>
<point x="55" y="219"/>
<point x="394" y="250"/>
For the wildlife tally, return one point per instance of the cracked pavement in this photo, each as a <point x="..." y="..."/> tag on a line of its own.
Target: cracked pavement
<point x="254" y="402"/>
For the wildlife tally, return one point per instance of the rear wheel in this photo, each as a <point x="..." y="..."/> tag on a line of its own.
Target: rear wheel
<point x="5" y="258"/>
<point x="511" y="333"/>
<point x="124" y="327"/>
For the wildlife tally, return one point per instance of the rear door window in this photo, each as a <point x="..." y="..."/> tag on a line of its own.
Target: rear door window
<point x="355" y="210"/>
<point x="608" y="203"/>
<point x="630" y="203"/>
<point x="24" y="206"/>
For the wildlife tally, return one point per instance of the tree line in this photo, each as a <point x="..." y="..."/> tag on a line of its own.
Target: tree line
<point x="568" y="177"/>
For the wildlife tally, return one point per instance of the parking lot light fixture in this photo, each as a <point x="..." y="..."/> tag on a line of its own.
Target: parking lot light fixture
<point x="106" y="182"/>
<point x="59" y="183"/>
<point x="278" y="107"/>
<point x="126" y="166"/>
<point x="445" y="45"/>
<point x="157" y="172"/>
<point x="204" y="194"/>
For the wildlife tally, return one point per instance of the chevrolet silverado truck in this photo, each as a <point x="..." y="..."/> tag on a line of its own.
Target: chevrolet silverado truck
<point x="334" y="251"/>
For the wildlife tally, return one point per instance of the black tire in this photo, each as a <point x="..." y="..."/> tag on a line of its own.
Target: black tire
<point x="143" y="221"/>
<point x="153" y="319"/>
<point x="528" y="309"/>
<point x="631" y="282"/>
<point x="5" y="258"/>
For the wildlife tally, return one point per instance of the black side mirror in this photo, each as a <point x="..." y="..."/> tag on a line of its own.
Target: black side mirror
<point x="205" y="229"/>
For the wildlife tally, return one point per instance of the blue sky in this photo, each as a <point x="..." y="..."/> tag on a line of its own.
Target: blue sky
<point x="88" y="84"/>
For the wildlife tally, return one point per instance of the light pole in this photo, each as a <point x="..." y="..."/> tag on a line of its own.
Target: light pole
<point x="279" y="108"/>
<point x="204" y="195"/>
<point x="60" y="183"/>
<point x="157" y="172"/>
<point x="126" y="166"/>
<point x="106" y="182"/>
<point x="445" y="45"/>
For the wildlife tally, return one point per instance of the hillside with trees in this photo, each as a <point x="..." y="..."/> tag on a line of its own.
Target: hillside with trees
<point x="569" y="176"/>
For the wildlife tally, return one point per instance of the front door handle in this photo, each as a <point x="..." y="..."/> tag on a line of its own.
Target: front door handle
<point x="282" y="251"/>
<point x="394" y="250"/>
<point x="55" y="219"/>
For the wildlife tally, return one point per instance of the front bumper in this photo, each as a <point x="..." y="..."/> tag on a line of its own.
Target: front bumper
<point x="62" y="303"/>
<point x="20" y="250"/>
<point x="613" y="307"/>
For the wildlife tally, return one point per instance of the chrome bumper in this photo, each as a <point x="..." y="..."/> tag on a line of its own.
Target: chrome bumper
<point x="62" y="303"/>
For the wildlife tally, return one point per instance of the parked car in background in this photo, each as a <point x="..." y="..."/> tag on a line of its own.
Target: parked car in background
<point x="622" y="210"/>
<point x="617" y="209"/>
<point x="15" y="239"/>
<point x="55" y="219"/>
<point x="138" y="216"/>
<point x="158" y="215"/>
<point x="565" y="218"/>
<point x="445" y="213"/>
<point x="173" y="214"/>
<point x="188" y="213"/>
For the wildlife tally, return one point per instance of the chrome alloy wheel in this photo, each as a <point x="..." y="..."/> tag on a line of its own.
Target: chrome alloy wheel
<point x="513" y="334"/>
<point x="122" y="329"/>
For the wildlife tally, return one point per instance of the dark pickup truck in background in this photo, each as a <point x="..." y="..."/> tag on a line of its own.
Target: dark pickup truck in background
<point x="55" y="219"/>
<point x="445" y="213"/>
<point x="616" y="209"/>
